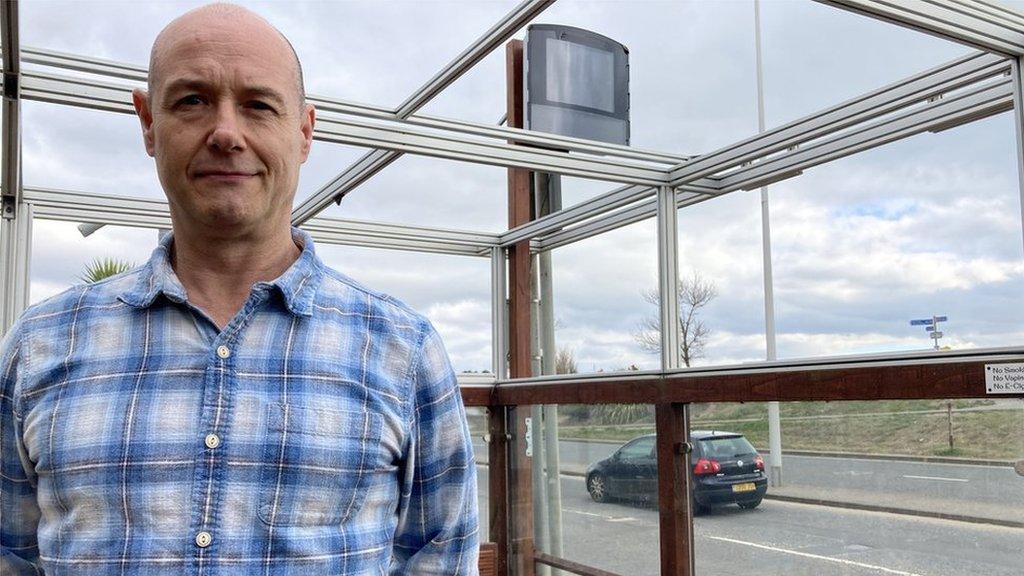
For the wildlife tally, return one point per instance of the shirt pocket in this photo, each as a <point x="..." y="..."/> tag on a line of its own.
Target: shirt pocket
<point x="318" y="463"/>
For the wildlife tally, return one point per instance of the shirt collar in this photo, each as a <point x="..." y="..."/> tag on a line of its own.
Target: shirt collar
<point x="297" y="285"/>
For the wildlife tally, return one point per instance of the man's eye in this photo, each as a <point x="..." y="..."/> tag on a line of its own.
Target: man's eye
<point x="261" y="105"/>
<point x="190" y="100"/>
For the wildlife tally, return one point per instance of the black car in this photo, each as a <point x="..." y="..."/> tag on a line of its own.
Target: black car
<point x="726" y="470"/>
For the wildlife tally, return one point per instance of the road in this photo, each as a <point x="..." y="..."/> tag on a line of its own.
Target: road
<point x="786" y="538"/>
<point x="985" y="491"/>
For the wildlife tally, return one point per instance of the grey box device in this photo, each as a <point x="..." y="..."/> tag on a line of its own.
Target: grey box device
<point x="576" y="84"/>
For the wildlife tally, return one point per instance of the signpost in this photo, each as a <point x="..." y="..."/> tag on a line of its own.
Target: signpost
<point x="931" y="325"/>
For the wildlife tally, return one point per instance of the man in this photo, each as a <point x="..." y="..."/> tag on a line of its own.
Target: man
<point x="233" y="406"/>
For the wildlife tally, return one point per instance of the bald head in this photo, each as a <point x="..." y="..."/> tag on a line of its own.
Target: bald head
<point x="201" y="22"/>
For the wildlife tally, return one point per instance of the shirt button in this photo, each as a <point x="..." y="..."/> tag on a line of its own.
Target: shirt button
<point x="203" y="539"/>
<point x="212" y="440"/>
<point x="223" y="351"/>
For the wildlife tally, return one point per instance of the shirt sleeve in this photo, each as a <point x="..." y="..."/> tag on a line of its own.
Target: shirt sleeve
<point x="437" y="515"/>
<point x="19" y="511"/>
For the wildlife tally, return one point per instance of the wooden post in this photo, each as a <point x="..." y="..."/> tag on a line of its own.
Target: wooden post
<point x="674" y="507"/>
<point x="519" y="212"/>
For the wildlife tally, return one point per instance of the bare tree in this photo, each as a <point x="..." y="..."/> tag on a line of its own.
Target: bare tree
<point x="565" y="361"/>
<point x="694" y="294"/>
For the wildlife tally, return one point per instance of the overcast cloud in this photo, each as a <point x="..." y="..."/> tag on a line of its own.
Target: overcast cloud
<point x="929" y="225"/>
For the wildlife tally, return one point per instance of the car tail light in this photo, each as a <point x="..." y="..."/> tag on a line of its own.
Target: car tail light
<point x="759" y="463"/>
<point x="706" y="466"/>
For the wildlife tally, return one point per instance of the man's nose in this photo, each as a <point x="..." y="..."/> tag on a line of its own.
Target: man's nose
<point x="226" y="135"/>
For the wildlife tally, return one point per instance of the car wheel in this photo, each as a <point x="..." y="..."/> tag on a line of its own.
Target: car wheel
<point x="750" y="505"/>
<point x="598" y="487"/>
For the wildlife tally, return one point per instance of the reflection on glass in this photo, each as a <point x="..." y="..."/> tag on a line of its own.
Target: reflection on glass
<point x="607" y="474"/>
<point x="477" y="418"/>
<point x="883" y="487"/>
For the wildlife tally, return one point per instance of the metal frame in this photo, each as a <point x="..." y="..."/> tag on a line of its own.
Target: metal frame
<point x="655" y="184"/>
<point x="15" y="234"/>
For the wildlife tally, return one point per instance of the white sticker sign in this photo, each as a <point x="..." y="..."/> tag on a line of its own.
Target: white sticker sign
<point x="1004" y="378"/>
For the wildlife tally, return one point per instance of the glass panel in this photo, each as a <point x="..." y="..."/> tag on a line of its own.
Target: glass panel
<point x="893" y="487"/>
<point x="816" y="56"/>
<point x="721" y="306"/>
<point x="477" y="418"/>
<point x="325" y="162"/>
<point x="607" y="499"/>
<point x="454" y="292"/>
<point x="602" y="309"/>
<point x="927" y="226"/>
<point x="61" y="256"/>
<point x="86" y="151"/>
<point x="422" y="191"/>
<point x="363" y="51"/>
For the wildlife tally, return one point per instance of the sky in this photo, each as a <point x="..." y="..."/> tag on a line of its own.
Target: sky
<point x="930" y="225"/>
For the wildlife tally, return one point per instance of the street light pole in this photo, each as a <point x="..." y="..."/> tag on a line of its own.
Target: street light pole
<point x="774" y="418"/>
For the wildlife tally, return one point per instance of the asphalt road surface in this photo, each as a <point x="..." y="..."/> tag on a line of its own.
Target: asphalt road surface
<point x="964" y="489"/>
<point x="782" y="538"/>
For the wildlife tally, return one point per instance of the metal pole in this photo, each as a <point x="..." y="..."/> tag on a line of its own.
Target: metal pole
<point x="668" y="278"/>
<point x="774" y="418"/>
<point x="497" y="525"/>
<point x="14" y="232"/>
<point x="540" y="501"/>
<point x="499" y="315"/>
<point x="1018" y="115"/>
<point x="548" y="201"/>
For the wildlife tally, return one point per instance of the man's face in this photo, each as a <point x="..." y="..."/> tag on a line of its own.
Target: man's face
<point x="226" y="125"/>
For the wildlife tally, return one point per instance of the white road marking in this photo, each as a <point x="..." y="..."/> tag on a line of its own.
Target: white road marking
<point x="601" y="516"/>
<point x="816" y="556"/>
<point x="936" y="478"/>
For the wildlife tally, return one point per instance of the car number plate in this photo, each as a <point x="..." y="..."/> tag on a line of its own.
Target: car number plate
<point x="746" y="487"/>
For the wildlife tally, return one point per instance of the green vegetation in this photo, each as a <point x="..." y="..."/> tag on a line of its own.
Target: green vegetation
<point x="103" y="268"/>
<point x="984" y="429"/>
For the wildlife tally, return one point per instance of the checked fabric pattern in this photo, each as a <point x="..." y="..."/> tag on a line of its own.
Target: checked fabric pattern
<point x="320" y="432"/>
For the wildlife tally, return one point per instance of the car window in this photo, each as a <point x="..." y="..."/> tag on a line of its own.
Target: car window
<point x="642" y="448"/>
<point x="726" y="447"/>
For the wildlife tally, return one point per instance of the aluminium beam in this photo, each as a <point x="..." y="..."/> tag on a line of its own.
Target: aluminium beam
<point x="970" y="105"/>
<point x="930" y="84"/>
<point x="1018" y="125"/>
<point x="123" y="71"/>
<point x="375" y="161"/>
<point x="396" y="136"/>
<point x="10" y="115"/>
<point x="948" y="77"/>
<point x="668" y="277"/>
<point x="150" y="213"/>
<point x="953" y="110"/>
<point x="597" y="206"/>
<point x="625" y="217"/>
<point x="399" y="138"/>
<point x="499" y="313"/>
<point x="88" y="64"/>
<point x="16" y="241"/>
<point x="15" y="230"/>
<point x="496" y="36"/>
<point x="980" y="24"/>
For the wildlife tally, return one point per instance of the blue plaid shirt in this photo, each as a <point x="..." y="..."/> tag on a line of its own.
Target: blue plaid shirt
<point x="320" y="432"/>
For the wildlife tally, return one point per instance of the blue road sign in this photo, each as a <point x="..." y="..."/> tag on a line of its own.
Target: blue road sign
<point x="941" y="318"/>
<point x="925" y="322"/>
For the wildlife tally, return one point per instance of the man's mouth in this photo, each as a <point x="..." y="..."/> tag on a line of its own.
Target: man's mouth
<point x="227" y="176"/>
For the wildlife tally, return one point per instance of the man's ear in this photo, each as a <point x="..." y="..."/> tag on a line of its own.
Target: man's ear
<point x="308" y="122"/>
<point x="140" y="99"/>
